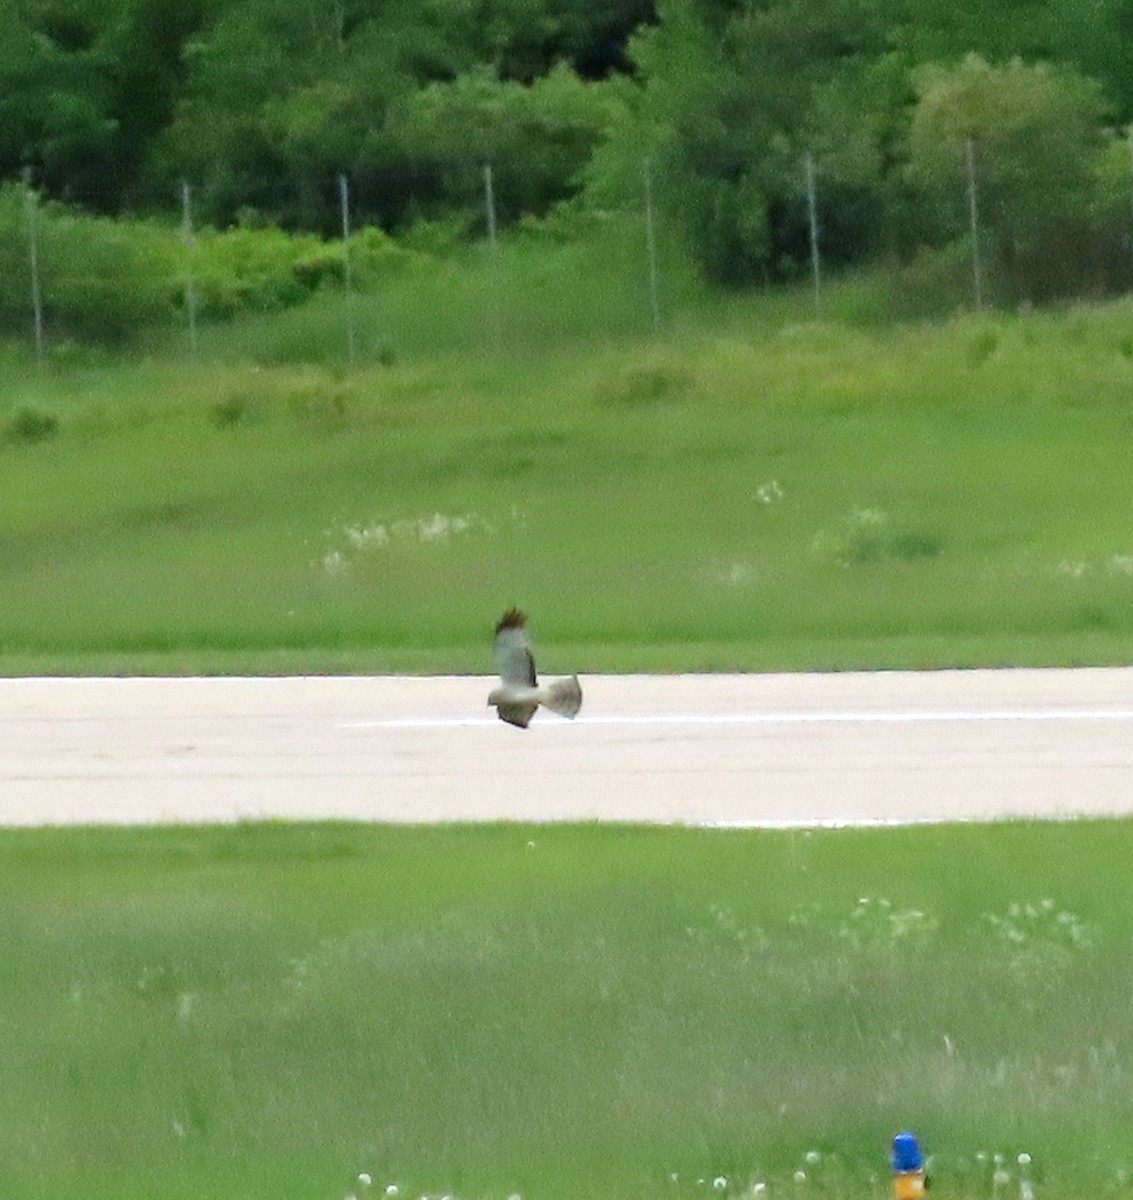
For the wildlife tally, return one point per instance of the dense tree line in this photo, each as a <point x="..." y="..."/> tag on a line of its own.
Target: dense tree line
<point x="108" y="104"/>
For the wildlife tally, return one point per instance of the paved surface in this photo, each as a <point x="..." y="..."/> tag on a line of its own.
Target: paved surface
<point x="755" y="749"/>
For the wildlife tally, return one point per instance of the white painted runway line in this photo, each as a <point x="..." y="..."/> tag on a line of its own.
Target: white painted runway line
<point x="768" y="750"/>
<point x="767" y="718"/>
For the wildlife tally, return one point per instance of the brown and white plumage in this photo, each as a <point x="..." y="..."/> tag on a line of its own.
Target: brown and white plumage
<point x="519" y="693"/>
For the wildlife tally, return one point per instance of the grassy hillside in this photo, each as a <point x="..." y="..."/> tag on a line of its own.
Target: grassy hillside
<point x="563" y="1012"/>
<point x="751" y="490"/>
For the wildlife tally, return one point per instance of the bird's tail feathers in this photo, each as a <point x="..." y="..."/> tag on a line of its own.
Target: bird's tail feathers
<point x="563" y="696"/>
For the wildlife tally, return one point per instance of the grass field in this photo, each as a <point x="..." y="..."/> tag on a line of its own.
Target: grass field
<point x="591" y="1012"/>
<point x="747" y="492"/>
<point x="568" y="1011"/>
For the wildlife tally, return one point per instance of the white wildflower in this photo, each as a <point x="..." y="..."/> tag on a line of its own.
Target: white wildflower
<point x="363" y="536"/>
<point x="737" y="574"/>
<point x="1074" y="568"/>
<point x="438" y="527"/>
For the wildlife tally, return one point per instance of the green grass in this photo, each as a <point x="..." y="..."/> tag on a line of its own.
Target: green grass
<point x="752" y="490"/>
<point x="567" y="1011"/>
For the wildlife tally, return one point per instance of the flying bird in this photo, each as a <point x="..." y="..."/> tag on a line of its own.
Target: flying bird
<point x="520" y="693"/>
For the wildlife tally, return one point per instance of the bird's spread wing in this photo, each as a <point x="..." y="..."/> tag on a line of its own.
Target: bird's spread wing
<point x="512" y="649"/>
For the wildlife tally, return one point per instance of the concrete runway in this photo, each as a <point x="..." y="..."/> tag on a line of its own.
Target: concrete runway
<point x="745" y="750"/>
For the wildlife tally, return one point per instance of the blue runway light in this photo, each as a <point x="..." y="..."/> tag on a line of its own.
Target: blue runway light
<point x="909" y="1180"/>
<point x="907" y="1155"/>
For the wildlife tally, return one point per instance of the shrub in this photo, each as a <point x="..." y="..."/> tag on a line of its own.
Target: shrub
<point x="101" y="280"/>
<point x="643" y="385"/>
<point x="870" y="535"/>
<point x="28" y="426"/>
<point x="375" y="256"/>
<point x="242" y="269"/>
<point x="229" y="412"/>
<point x="266" y="269"/>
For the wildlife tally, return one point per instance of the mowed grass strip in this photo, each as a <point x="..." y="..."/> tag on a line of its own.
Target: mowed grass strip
<point x="564" y="1011"/>
<point x="734" y="496"/>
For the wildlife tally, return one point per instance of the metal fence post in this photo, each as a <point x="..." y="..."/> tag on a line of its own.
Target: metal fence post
<point x="31" y="205"/>
<point x="651" y="247"/>
<point x="812" y="221"/>
<point x="974" y="222"/>
<point x="494" y="250"/>
<point x="347" y="277"/>
<point x="187" y="241"/>
<point x="1129" y="143"/>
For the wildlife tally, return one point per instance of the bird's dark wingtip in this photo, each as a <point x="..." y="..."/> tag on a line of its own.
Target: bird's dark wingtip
<point x="514" y="618"/>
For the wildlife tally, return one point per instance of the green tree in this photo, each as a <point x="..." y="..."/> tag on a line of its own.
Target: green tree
<point x="530" y="37"/>
<point x="85" y="88"/>
<point x="1094" y="38"/>
<point x="730" y="99"/>
<point x="55" y="99"/>
<point x="282" y="97"/>
<point x="1044" y="161"/>
<point x="538" y="137"/>
<point x="103" y="280"/>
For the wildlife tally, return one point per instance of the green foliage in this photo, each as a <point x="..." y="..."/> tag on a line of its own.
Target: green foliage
<point x="574" y="279"/>
<point x="54" y="101"/>
<point x="262" y="104"/>
<point x="279" y="100"/>
<point x="1043" y="154"/>
<point x="732" y="101"/>
<point x="240" y="269"/>
<point x="644" y="385"/>
<point x="562" y="1011"/>
<point x="101" y="280"/>
<point x="871" y="535"/>
<point x="26" y="426"/>
<point x="114" y="281"/>
<point x="376" y="259"/>
<point x="537" y="137"/>
<point x="231" y="411"/>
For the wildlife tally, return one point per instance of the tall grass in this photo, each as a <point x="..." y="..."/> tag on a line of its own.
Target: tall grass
<point x="544" y="289"/>
<point x="742" y="493"/>
<point x="562" y="1011"/>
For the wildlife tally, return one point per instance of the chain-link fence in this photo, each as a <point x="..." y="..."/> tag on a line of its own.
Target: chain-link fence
<point x="358" y="296"/>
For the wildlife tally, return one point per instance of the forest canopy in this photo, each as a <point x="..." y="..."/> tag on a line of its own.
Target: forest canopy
<point x="108" y="105"/>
